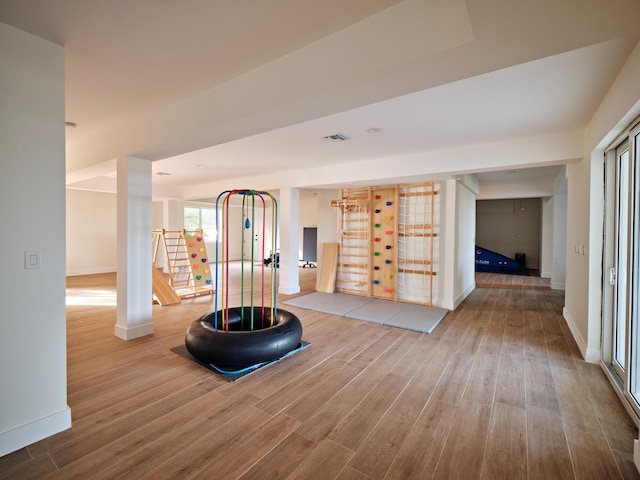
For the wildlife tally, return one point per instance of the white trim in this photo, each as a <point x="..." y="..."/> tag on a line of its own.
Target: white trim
<point x="557" y="286"/>
<point x="133" y="332"/>
<point x="545" y="274"/>
<point x="590" y="355"/>
<point x="460" y="298"/>
<point x="24" y="435"/>
<point x="91" y="271"/>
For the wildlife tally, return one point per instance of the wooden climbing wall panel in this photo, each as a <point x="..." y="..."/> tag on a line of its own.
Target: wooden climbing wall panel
<point x="387" y="242"/>
<point x="353" y="234"/>
<point x="384" y="246"/>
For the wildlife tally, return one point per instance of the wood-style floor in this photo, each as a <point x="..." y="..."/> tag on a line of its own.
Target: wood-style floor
<point x="498" y="391"/>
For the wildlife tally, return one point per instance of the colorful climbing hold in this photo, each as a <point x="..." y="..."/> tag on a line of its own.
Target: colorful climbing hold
<point x="388" y="232"/>
<point x="208" y="282"/>
<point x="198" y="277"/>
<point x="204" y="260"/>
<point x="202" y="249"/>
<point x="376" y="268"/>
<point x="376" y="282"/>
<point x="377" y="254"/>
<point x="247" y="223"/>
<point x="387" y="276"/>
<point x="376" y="239"/>
<point x="206" y="270"/>
<point x="387" y="290"/>
<point x="377" y="225"/>
<point x="388" y="247"/>
<point x="196" y="266"/>
<point x="389" y="217"/>
<point x="389" y="204"/>
<point x="191" y="245"/>
<point x="377" y="197"/>
<point x="377" y="210"/>
<point x="198" y="239"/>
<point x="388" y="262"/>
<point x="194" y="255"/>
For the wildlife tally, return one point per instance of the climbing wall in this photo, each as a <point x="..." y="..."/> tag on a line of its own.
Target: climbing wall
<point x="388" y="242"/>
<point x="198" y="259"/>
<point x="353" y="229"/>
<point x="384" y="246"/>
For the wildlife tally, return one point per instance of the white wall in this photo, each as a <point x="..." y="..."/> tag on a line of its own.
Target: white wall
<point x="33" y="381"/>
<point x="91" y="232"/>
<point x="465" y="259"/>
<point x="546" y="238"/>
<point x="584" y="208"/>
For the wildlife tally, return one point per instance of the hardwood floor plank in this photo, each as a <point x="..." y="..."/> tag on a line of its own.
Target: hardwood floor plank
<point x="573" y="400"/>
<point x="357" y="425"/>
<point x="202" y="424"/>
<point x="547" y="449"/>
<point x="333" y="412"/>
<point x="464" y="449"/>
<point x="506" y="454"/>
<point x="510" y="384"/>
<point x="380" y="448"/>
<point x="198" y="454"/>
<point x="481" y="386"/>
<point x="241" y="456"/>
<point x="454" y="379"/>
<point x="280" y="463"/>
<point x="420" y="452"/>
<point x="325" y="462"/>
<point x="592" y="456"/>
<point x="79" y="458"/>
<point x="539" y="387"/>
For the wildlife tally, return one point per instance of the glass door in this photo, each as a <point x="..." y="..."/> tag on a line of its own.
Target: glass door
<point x="621" y="288"/>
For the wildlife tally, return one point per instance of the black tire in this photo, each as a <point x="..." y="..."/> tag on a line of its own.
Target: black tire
<point x="241" y="347"/>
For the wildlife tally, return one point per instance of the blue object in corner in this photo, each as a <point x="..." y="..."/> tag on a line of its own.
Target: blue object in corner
<point x="488" y="261"/>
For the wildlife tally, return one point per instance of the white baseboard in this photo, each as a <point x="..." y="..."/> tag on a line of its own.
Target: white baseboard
<point x="91" y="271"/>
<point x="133" y="332"/>
<point x="463" y="295"/>
<point x="590" y="355"/>
<point x="20" y="437"/>
<point x="544" y="274"/>
<point x="557" y="286"/>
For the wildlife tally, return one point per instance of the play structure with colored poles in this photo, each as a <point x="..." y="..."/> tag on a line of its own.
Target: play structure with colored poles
<point x="257" y="331"/>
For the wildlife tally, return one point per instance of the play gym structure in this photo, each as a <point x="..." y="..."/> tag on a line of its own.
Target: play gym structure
<point x="187" y="264"/>
<point x="236" y="338"/>
<point x="386" y="242"/>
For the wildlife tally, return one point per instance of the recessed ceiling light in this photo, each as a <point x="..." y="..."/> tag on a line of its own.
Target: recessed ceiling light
<point x="336" y="137"/>
<point x="162" y="174"/>
<point x="200" y="166"/>
<point x="374" y="130"/>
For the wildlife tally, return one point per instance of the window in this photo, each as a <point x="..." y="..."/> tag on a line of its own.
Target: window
<point x="201" y="217"/>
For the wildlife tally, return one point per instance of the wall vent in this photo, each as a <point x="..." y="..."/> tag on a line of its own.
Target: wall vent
<point x="336" y="137"/>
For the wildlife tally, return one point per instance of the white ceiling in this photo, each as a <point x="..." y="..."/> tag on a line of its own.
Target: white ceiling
<point x="212" y="90"/>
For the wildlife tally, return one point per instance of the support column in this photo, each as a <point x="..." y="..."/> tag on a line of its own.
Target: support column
<point x="289" y="220"/>
<point x="134" y="310"/>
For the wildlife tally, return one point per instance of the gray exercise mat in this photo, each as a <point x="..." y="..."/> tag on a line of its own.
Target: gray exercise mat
<point x="409" y="316"/>
<point x="376" y="311"/>
<point x="333" y="303"/>
<point x="417" y="317"/>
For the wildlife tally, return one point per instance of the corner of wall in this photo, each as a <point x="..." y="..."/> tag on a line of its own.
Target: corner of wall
<point x="590" y="355"/>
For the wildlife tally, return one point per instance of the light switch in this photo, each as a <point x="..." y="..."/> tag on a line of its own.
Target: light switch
<point x="31" y="259"/>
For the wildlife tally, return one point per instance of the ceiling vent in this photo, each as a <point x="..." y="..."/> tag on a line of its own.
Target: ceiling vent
<point x="337" y="137"/>
<point x="162" y="174"/>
